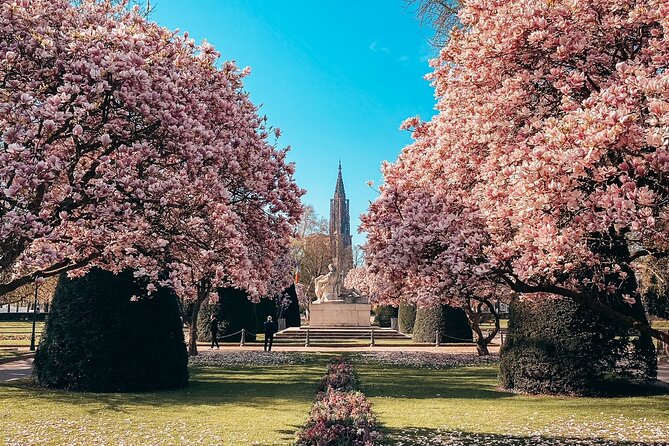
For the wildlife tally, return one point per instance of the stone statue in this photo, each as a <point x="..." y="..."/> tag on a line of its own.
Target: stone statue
<point x="326" y="285"/>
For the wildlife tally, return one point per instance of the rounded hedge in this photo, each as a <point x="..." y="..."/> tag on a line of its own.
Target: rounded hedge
<point x="451" y="322"/>
<point x="97" y="339"/>
<point x="562" y="347"/>
<point x="406" y="315"/>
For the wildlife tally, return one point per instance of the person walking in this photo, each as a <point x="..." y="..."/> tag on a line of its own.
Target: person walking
<point x="213" y="329"/>
<point x="270" y="329"/>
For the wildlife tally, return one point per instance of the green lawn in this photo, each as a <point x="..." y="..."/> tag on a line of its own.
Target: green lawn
<point x="16" y="334"/>
<point x="417" y="404"/>
<point x="246" y="405"/>
<point x="223" y="406"/>
<point x="9" y="353"/>
<point x="661" y="324"/>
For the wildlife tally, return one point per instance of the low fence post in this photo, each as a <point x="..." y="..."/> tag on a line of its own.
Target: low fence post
<point x="437" y="342"/>
<point x="306" y="341"/>
<point x="243" y="340"/>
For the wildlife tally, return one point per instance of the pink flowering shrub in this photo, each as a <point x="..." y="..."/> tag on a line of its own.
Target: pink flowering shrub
<point x="340" y="418"/>
<point x="341" y="415"/>
<point x="339" y="376"/>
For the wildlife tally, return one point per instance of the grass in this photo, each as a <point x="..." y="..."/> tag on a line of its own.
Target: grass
<point x="503" y="323"/>
<point x="413" y="404"/>
<point x="265" y="405"/>
<point x="660" y="324"/>
<point x="16" y="334"/>
<point x="9" y="353"/>
<point x="230" y="406"/>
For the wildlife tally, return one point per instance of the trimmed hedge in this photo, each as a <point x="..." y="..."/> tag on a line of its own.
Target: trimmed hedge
<point x="268" y="307"/>
<point x="406" y="315"/>
<point x="292" y="313"/>
<point x="656" y="299"/>
<point x="382" y="315"/>
<point x="97" y="340"/>
<point x="234" y="311"/>
<point x="562" y="347"/>
<point x="451" y="322"/>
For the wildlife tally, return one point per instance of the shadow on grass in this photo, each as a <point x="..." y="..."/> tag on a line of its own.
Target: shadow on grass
<point x="476" y="383"/>
<point x="208" y="386"/>
<point x="437" y="437"/>
<point x="406" y="382"/>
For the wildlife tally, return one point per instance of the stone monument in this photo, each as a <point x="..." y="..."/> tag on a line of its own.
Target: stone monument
<point x="336" y="306"/>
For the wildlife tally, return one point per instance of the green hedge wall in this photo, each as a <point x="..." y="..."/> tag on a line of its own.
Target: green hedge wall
<point x="406" y="315"/>
<point x="451" y="322"/>
<point x="561" y="347"/>
<point x="382" y="315"/>
<point x="96" y="339"/>
<point x="234" y="311"/>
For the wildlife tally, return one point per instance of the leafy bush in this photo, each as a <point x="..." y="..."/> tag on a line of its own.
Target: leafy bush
<point x="406" y="315"/>
<point x="97" y="339"/>
<point x="451" y="322"/>
<point x="563" y="347"/>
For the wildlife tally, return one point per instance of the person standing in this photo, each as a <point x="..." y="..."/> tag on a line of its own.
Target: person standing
<point x="270" y="329"/>
<point x="213" y="329"/>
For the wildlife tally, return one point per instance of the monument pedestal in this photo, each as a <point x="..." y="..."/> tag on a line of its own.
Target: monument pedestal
<point x="339" y="314"/>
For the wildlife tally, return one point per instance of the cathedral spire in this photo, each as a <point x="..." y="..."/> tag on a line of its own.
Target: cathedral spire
<point x="339" y="188"/>
<point x="340" y="229"/>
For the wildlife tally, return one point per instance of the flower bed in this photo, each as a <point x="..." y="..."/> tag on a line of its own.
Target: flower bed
<point x="339" y="376"/>
<point x="221" y="358"/>
<point x="426" y="360"/>
<point x="341" y="415"/>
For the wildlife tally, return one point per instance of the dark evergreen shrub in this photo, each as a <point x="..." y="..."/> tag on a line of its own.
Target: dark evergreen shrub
<point x="382" y="315"/>
<point x="265" y="307"/>
<point x="270" y="307"/>
<point x="203" y="319"/>
<point x="406" y="315"/>
<point x="656" y="299"/>
<point x="96" y="339"/>
<point x="234" y="311"/>
<point x="562" y="347"/>
<point x="451" y="322"/>
<point x="654" y="286"/>
<point x="292" y="313"/>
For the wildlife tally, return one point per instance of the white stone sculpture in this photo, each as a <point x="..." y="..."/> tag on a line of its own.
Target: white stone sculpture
<point x="326" y="285"/>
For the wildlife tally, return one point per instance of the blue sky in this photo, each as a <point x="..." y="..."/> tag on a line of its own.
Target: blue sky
<point x="338" y="78"/>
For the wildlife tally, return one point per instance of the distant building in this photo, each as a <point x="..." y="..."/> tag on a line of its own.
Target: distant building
<point x="341" y="242"/>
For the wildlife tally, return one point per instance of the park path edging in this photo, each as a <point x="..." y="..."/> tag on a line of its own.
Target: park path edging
<point x="17" y="368"/>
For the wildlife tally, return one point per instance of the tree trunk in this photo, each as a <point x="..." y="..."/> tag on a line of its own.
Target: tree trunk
<point x="482" y="346"/>
<point x="474" y="318"/>
<point x="192" y="329"/>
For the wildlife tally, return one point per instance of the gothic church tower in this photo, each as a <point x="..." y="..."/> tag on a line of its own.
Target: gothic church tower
<point x="341" y="243"/>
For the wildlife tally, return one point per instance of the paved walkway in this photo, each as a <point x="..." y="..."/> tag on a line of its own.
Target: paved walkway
<point x="16" y="369"/>
<point x="663" y="371"/>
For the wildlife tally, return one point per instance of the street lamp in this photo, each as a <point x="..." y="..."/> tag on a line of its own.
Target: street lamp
<point x="32" y="338"/>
